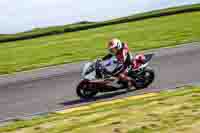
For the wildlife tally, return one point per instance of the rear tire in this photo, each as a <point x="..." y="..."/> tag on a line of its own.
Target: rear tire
<point x="84" y="91"/>
<point x="149" y="76"/>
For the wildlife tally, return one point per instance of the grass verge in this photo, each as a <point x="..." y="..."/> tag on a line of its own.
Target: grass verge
<point x="168" y="111"/>
<point x="89" y="44"/>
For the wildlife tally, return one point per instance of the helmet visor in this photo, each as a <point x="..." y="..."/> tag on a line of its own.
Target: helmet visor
<point x="113" y="51"/>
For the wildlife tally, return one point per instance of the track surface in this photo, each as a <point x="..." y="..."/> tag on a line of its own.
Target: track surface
<point x="47" y="89"/>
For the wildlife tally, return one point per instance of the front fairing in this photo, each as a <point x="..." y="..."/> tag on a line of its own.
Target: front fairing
<point x="88" y="71"/>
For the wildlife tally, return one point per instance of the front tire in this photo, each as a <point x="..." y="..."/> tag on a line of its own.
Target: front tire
<point x="85" y="91"/>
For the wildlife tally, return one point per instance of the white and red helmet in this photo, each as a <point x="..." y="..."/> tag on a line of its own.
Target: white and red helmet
<point x="115" y="43"/>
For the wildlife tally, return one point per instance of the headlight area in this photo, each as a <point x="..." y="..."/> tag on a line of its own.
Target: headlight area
<point x="87" y="68"/>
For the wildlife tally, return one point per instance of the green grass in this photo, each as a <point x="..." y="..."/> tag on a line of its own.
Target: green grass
<point x="89" y="44"/>
<point x="168" y="111"/>
<point x="39" y="32"/>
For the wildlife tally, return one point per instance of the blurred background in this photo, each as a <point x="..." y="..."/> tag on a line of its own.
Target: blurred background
<point x="22" y="15"/>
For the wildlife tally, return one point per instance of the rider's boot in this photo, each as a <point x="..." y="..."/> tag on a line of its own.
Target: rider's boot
<point x="130" y="82"/>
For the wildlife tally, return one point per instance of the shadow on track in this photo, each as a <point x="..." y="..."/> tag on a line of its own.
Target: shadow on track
<point x="100" y="97"/>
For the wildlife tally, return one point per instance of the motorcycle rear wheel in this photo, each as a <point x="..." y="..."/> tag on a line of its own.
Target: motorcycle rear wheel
<point x="149" y="76"/>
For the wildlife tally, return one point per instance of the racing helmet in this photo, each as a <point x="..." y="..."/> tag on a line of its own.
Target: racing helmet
<point x="114" y="43"/>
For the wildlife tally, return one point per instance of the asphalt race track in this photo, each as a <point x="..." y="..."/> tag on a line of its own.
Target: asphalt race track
<point x="53" y="88"/>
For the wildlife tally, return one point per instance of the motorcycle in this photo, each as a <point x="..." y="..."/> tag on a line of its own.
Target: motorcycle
<point x="97" y="76"/>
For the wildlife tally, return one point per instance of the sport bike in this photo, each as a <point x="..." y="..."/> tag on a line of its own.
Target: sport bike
<point x="97" y="76"/>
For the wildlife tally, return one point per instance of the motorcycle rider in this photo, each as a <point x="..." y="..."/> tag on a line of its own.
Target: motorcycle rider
<point x="121" y="51"/>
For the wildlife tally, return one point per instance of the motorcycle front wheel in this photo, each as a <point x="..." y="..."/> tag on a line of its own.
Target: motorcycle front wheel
<point x="85" y="91"/>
